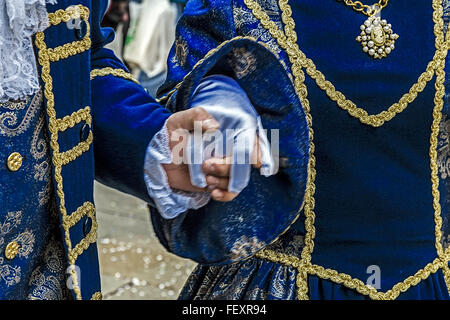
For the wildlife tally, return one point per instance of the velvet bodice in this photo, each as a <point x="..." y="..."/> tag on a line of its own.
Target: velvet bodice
<point x="373" y="185"/>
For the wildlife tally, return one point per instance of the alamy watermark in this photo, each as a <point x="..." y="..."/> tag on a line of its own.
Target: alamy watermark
<point x="236" y="146"/>
<point x="374" y="280"/>
<point x="75" y="21"/>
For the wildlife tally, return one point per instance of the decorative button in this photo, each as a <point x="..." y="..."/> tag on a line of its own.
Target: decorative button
<point x="84" y="133"/>
<point x="81" y="30"/>
<point x="12" y="249"/>
<point x="87" y="226"/>
<point x="15" y="161"/>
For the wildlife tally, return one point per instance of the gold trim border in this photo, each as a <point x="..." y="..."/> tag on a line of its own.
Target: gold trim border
<point x="114" y="72"/>
<point x="45" y="57"/>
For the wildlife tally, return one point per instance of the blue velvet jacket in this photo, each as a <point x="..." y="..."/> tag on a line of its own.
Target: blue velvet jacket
<point x="91" y="103"/>
<point x="354" y="189"/>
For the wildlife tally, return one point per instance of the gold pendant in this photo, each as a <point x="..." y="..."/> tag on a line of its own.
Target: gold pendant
<point x="377" y="37"/>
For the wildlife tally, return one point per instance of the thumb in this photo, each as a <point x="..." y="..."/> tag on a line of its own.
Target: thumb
<point x="256" y="156"/>
<point x="186" y="119"/>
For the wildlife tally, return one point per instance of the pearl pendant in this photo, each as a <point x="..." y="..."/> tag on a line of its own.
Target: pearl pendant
<point x="377" y="37"/>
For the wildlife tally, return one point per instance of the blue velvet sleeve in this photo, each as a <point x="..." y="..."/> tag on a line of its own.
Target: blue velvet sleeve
<point x="208" y="43"/>
<point x="125" y="116"/>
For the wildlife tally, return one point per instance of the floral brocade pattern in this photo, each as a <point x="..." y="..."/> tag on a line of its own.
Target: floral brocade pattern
<point x="29" y="217"/>
<point x="47" y="280"/>
<point x="247" y="25"/>
<point x="443" y="161"/>
<point x="253" y="279"/>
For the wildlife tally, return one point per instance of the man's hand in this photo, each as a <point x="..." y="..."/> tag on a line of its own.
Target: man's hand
<point x="217" y="170"/>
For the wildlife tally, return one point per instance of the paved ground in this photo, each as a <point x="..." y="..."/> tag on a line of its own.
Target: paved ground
<point x="133" y="263"/>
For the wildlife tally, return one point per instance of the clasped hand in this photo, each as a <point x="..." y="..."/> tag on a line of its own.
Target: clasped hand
<point x="216" y="169"/>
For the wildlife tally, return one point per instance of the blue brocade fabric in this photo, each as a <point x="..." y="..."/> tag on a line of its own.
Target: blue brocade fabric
<point x="28" y="214"/>
<point x="373" y="201"/>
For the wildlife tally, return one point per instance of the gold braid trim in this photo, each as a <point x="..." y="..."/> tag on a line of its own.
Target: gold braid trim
<point x="75" y="118"/>
<point x="66" y="157"/>
<point x="347" y="280"/>
<point x="86" y="210"/>
<point x="114" y="72"/>
<point x="69" y="49"/>
<point x="97" y="296"/>
<point x="289" y="38"/>
<point x="70" y="121"/>
<point x="299" y="61"/>
<point x="59" y="159"/>
<point x="76" y="47"/>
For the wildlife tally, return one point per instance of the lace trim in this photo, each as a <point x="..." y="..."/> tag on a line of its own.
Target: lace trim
<point x="170" y="203"/>
<point x="19" y="20"/>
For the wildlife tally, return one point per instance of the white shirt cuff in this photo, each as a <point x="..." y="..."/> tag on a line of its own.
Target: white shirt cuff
<point x="170" y="203"/>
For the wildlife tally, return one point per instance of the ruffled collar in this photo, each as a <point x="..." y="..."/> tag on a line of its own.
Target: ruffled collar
<point x="19" y="20"/>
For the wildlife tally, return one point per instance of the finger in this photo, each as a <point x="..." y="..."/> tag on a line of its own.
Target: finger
<point x="218" y="167"/>
<point x="217" y="183"/>
<point x="178" y="178"/>
<point x="223" y="196"/>
<point x="256" y="157"/>
<point x="186" y="120"/>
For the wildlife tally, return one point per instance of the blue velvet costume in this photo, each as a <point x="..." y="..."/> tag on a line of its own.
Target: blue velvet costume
<point x="48" y="228"/>
<point x="375" y="205"/>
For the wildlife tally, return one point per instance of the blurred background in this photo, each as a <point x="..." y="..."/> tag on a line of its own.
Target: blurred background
<point x="133" y="264"/>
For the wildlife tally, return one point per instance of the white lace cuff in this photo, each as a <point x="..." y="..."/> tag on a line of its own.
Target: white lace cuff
<point x="170" y="203"/>
<point x="19" y="21"/>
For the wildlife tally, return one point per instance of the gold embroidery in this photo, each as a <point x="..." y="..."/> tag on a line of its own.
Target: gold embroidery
<point x="21" y="246"/>
<point x="16" y="105"/>
<point x="444" y="148"/>
<point x="8" y="119"/>
<point x="48" y="279"/>
<point x="39" y="146"/>
<point x="299" y="61"/>
<point x="181" y="51"/>
<point x="198" y="64"/>
<point x="59" y="159"/>
<point x="114" y="72"/>
<point x="25" y="241"/>
<point x="244" y="20"/>
<point x="242" y="62"/>
<point x="245" y="246"/>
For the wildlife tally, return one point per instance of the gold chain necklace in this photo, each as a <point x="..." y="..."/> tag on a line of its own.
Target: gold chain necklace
<point x="377" y="37"/>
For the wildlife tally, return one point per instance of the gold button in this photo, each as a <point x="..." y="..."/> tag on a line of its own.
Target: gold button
<point x="12" y="249"/>
<point x="15" y="161"/>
